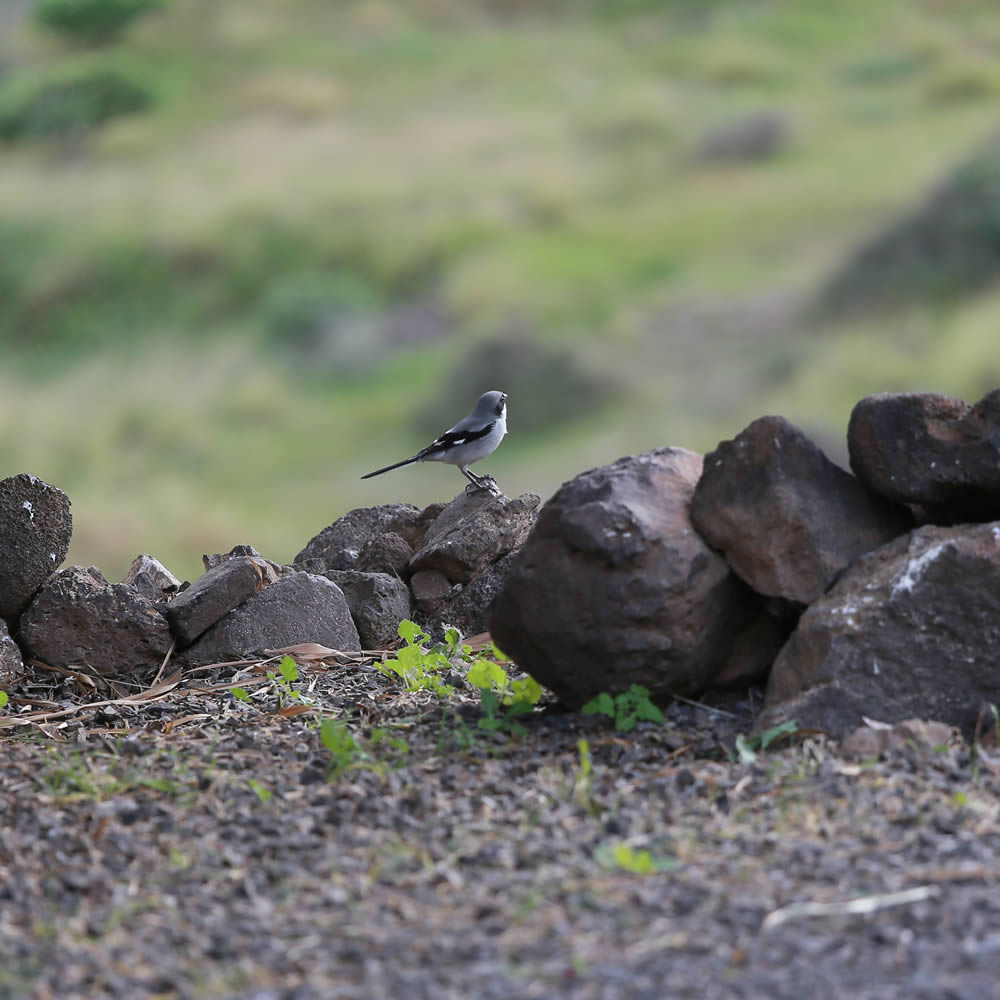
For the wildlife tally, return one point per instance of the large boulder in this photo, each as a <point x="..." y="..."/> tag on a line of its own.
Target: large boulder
<point x="299" y="607"/>
<point x="933" y="451"/>
<point x="475" y="530"/>
<point x="786" y="518"/>
<point x="78" y="618"/>
<point x="613" y="586"/>
<point x="35" y="530"/>
<point x="911" y="630"/>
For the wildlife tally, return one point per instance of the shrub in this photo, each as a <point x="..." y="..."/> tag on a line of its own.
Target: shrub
<point x="91" y="20"/>
<point x="72" y="106"/>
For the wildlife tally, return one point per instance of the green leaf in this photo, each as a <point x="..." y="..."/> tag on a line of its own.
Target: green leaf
<point x="649" y="712"/>
<point x="411" y="632"/>
<point x="745" y="751"/>
<point x="289" y="669"/>
<point x="239" y="693"/>
<point x="489" y="701"/>
<point x="485" y="674"/>
<point x="786" y="728"/>
<point x="603" y="704"/>
<point x="526" y="689"/>
<point x="261" y="791"/>
<point x="3" y="699"/>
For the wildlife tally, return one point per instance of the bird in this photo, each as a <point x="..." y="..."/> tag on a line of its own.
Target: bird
<point x="470" y="440"/>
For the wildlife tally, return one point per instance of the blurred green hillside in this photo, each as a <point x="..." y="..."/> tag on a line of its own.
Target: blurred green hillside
<point x="249" y="252"/>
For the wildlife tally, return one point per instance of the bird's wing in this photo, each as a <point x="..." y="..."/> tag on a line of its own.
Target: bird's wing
<point x="462" y="433"/>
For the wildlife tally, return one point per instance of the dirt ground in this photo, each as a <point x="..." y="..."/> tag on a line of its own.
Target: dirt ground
<point x="188" y="844"/>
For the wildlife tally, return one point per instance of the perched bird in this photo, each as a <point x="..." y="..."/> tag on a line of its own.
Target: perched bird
<point x="468" y="441"/>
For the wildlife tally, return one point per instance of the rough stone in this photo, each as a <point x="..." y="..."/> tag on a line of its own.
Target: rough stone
<point x="300" y="607"/>
<point x="755" y="650"/>
<point x="270" y="570"/>
<point x="469" y="608"/>
<point x="35" y="530"/>
<point x="385" y="553"/>
<point x="931" y="450"/>
<point x="613" y="586"/>
<point x="151" y="578"/>
<point x="378" y="603"/>
<point x="786" y="518"/>
<point x="225" y="586"/>
<point x="911" y="630"/>
<point x="476" y="529"/>
<point x="79" y="619"/>
<point x="338" y="545"/>
<point x="11" y="665"/>
<point x="431" y="589"/>
<point x="753" y="137"/>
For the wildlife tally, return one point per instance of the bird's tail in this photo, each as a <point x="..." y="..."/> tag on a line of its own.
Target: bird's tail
<point x="389" y="468"/>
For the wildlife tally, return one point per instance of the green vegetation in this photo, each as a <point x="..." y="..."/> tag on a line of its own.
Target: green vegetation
<point x="317" y="222"/>
<point x="747" y="746"/>
<point x="626" y="709"/>
<point x="91" y="20"/>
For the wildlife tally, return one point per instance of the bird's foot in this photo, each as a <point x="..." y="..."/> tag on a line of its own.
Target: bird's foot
<point x="486" y="482"/>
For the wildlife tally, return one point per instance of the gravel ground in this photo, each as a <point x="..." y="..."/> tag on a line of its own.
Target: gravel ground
<point x="194" y="845"/>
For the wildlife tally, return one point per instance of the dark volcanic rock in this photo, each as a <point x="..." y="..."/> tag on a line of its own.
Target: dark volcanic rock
<point x="35" y="530"/>
<point x="911" y="630"/>
<point x="151" y="578"/>
<point x="431" y="589"/>
<point x="78" y="618"/>
<point x="469" y="609"/>
<point x="930" y="450"/>
<point x="378" y="603"/>
<point x="300" y="607"/>
<point x="224" y="587"/>
<point x="270" y="570"/>
<point x="11" y="666"/>
<point x="614" y="586"/>
<point x="339" y="545"/>
<point x="786" y="518"/>
<point x="385" y="553"/>
<point x="477" y="528"/>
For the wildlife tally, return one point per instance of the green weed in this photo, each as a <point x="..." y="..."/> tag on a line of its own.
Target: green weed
<point x="626" y="709"/>
<point x="747" y="746"/>
<point x="626" y="858"/>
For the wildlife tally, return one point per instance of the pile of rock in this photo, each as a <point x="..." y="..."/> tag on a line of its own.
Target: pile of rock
<point x="348" y="589"/>
<point x="875" y="594"/>
<point x="766" y="559"/>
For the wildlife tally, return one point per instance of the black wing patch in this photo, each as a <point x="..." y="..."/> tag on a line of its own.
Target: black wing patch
<point x="454" y="439"/>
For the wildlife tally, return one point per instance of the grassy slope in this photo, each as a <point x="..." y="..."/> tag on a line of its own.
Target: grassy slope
<point x="531" y="167"/>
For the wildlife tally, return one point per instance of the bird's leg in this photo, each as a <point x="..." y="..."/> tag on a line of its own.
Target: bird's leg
<point x="480" y="482"/>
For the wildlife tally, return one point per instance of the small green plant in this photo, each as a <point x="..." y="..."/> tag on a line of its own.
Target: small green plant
<point x="3" y="699"/>
<point x="282" y="682"/>
<point x="627" y="858"/>
<point x="71" y="107"/>
<point x="626" y="709"/>
<point x="91" y="20"/>
<point x="583" y="783"/>
<point x="348" y="750"/>
<point x="345" y="751"/>
<point x="261" y="791"/>
<point x="501" y="698"/>
<point x="418" y="665"/>
<point x="747" y="746"/>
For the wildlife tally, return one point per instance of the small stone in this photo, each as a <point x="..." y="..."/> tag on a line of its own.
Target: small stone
<point x="338" y="545"/>
<point x="11" y="665"/>
<point x="385" y="553"/>
<point x="430" y="588"/>
<point x="378" y="603"/>
<point x="475" y="530"/>
<point x="225" y="586"/>
<point x="151" y="578"/>
<point x="300" y="607"/>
